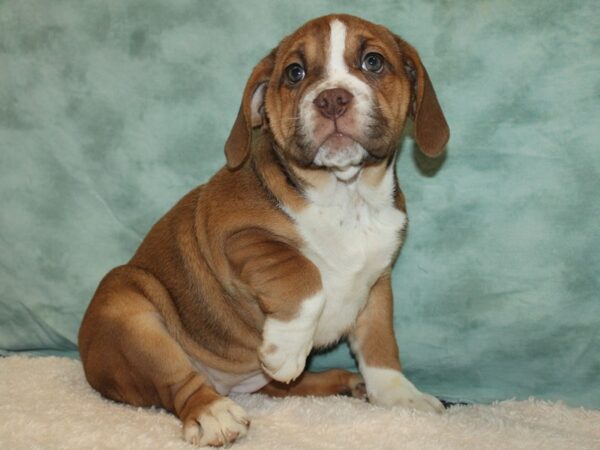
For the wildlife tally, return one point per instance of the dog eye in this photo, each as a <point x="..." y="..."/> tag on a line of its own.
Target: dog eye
<point x="372" y="62"/>
<point x="295" y="73"/>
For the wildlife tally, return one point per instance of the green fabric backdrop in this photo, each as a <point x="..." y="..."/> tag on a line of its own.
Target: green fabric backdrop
<point x="111" y="111"/>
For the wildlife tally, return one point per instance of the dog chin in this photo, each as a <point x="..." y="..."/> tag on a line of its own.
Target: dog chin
<point x="345" y="162"/>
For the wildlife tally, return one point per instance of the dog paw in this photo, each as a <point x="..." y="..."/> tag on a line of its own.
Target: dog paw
<point x="351" y="384"/>
<point x="417" y="400"/>
<point x="284" y="361"/>
<point x="220" y="424"/>
<point x="286" y="344"/>
<point x="388" y="387"/>
<point x="357" y="387"/>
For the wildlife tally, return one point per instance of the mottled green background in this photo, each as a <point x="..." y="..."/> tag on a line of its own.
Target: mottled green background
<point x="110" y="111"/>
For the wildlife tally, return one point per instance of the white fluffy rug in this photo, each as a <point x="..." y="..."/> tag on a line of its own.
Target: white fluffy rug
<point x="45" y="403"/>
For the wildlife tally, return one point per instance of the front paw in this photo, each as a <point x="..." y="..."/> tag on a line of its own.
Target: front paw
<point x="414" y="399"/>
<point x="286" y="344"/>
<point x="285" y="360"/>
<point x="388" y="387"/>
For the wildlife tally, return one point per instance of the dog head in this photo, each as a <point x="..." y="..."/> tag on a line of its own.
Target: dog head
<point x="335" y="95"/>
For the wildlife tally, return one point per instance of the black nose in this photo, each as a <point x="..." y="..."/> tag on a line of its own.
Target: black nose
<point x="332" y="103"/>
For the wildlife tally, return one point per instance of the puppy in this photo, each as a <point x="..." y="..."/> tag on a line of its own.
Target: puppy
<point x="287" y="248"/>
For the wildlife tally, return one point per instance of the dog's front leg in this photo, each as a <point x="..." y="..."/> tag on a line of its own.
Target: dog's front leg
<point x="288" y="288"/>
<point x="287" y="343"/>
<point x="374" y="345"/>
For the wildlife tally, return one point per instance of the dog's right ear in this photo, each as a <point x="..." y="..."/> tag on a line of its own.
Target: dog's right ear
<point x="251" y="113"/>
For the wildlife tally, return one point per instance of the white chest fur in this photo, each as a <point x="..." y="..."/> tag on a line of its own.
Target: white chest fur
<point x="351" y="231"/>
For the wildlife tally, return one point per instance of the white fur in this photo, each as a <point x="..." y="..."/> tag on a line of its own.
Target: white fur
<point x="346" y="173"/>
<point x="336" y="65"/>
<point x="225" y="383"/>
<point x="342" y="161"/>
<point x="286" y="344"/>
<point x="351" y="232"/>
<point x="222" y="422"/>
<point x="388" y="387"/>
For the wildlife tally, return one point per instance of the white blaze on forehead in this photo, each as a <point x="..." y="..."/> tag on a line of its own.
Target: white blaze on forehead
<point x="337" y="44"/>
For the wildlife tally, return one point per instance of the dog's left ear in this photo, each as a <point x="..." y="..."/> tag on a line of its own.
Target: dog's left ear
<point x="431" y="129"/>
<point x="251" y="113"/>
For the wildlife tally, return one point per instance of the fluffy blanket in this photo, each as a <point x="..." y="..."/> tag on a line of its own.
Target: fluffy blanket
<point x="47" y="404"/>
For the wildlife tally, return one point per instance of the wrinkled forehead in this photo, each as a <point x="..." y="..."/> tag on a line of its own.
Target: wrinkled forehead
<point x="327" y="42"/>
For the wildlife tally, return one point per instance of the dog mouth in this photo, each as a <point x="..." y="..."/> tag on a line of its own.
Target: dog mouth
<point x="341" y="154"/>
<point x="337" y="140"/>
<point x="341" y="146"/>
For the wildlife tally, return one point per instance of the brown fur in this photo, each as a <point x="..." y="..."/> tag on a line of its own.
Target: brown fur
<point x="373" y="333"/>
<point x="319" y="384"/>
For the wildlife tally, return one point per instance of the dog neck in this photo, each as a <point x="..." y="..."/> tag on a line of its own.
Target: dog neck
<point x="295" y="187"/>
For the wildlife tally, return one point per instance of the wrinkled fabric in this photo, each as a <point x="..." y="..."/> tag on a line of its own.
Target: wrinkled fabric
<point x="111" y="111"/>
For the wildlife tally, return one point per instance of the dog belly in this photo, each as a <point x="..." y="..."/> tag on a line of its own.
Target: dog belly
<point x="225" y="383"/>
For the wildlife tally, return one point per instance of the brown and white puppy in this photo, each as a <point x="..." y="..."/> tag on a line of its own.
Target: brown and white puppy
<point x="286" y="249"/>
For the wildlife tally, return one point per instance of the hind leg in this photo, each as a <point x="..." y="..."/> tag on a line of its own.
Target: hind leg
<point x="207" y="417"/>
<point x="129" y="356"/>
<point x="319" y="384"/>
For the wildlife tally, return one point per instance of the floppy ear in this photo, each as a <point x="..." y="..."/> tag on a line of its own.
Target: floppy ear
<point x="250" y="114"/>
<point x="431" y="128"/>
